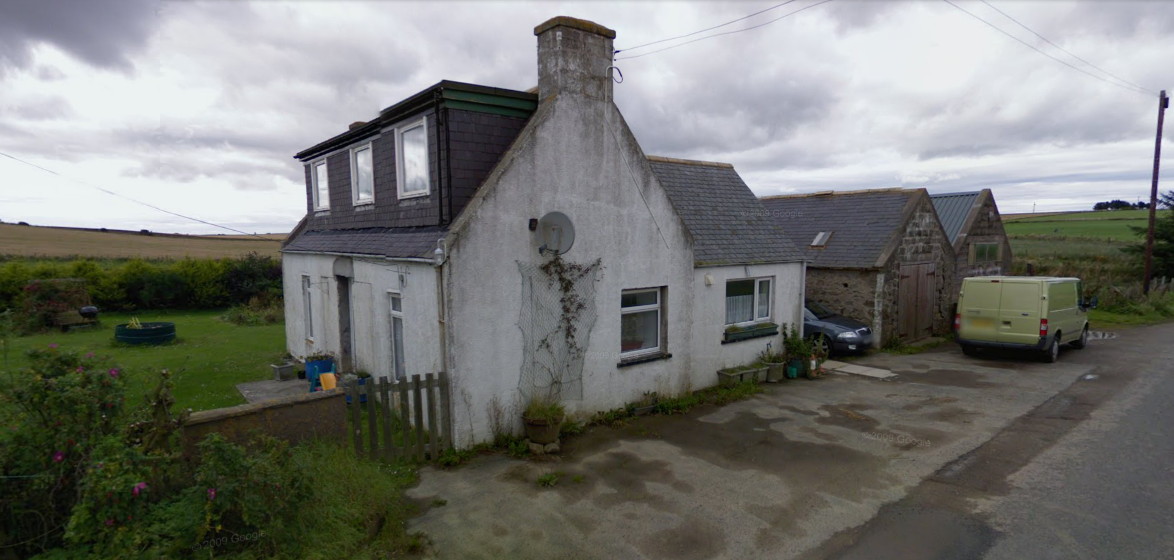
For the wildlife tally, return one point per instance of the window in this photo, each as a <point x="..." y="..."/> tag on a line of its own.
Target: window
<point x="412" y="149"/>
<point x="821" y="239"/>
<point x="640" y="312"/>
<point x="396" y="312"/>
<point x="321" y="186"/>
<point x="362" y="176"/>
<point x="747" y="300"/>
<point x="307" y="308"/>
<point x="984" y="253"/>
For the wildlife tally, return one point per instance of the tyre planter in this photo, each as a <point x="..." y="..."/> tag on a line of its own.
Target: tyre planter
<point x="542" y="431"/>
<point x="147" y="334"/>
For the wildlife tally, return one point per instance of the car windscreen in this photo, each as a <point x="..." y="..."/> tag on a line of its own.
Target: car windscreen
<point x="819" y="310"/>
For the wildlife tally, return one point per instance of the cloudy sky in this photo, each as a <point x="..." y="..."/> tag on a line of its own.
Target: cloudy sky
<point x="197" y="108"/>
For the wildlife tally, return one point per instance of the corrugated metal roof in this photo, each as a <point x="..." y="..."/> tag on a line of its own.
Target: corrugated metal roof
<point x="861" y="224"/>
<point x="728" y="223"/>
<point x="953" y="209"/>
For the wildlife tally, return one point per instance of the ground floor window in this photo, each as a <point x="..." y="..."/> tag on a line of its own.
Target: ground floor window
<point x="640" y="322"/>
<point x="396" y="344"/>
<point x="984" y="253"/>
<point x="748" y="300"/>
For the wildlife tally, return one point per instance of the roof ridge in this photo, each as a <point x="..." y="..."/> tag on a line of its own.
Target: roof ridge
<point x="663" y="159"/>
<point x="841" y="193"/>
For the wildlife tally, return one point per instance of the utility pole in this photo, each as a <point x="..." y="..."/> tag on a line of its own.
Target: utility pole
<point x="1163" y="102"/>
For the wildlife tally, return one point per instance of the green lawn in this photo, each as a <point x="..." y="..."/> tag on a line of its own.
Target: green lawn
<point x="1113" y="225"/>
<point x="208" y="358"/>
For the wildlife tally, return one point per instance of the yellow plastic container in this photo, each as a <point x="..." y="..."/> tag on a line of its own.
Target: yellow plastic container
<point x="329" y="381"/>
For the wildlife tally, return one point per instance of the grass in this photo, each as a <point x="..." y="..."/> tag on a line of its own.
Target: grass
<point x="207" y="360"/>
<point x="1108" y="226"/>
<point x="33" y="241"/>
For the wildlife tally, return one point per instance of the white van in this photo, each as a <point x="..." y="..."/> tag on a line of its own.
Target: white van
<point x="1021" y="312"/>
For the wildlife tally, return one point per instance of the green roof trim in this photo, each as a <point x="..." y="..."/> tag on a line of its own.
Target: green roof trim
<point x="493" y="110"/>
<point x="528" y="105"/>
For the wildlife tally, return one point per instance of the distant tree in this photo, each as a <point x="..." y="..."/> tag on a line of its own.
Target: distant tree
<point x="1142" y="205"/>
<point x="1163" y="238"/>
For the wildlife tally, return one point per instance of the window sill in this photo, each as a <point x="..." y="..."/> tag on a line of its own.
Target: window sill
<point x="405" y="196"/>
<point x="365" y="205"/>
<point x="759" y="331"/>
<point x="643" y="359"/>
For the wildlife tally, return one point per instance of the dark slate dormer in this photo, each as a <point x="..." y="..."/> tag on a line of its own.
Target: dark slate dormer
<point x="466" y="129"/>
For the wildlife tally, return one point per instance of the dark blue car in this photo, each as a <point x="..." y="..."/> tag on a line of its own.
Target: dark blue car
<point x="832" y="333"/>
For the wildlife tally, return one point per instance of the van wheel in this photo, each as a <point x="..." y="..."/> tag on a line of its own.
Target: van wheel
<point x="1082" y="341"/>
<point x="1053" y="351"/>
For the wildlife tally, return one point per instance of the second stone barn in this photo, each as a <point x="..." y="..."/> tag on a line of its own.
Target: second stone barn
<point x="880" y="256"/>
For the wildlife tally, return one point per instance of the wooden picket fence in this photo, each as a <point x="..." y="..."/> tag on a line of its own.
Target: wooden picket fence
<point x="410" y="418"/>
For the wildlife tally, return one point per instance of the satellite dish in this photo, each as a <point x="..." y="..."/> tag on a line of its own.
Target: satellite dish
<point x="556" y="233"/>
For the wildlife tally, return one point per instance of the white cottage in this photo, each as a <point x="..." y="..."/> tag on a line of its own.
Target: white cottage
<point x="525" y="244"/>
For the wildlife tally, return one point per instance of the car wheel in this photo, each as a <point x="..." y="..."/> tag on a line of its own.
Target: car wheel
<point x="969" y="350"/>
<point x="821" y="346"/>
<point x="1082" y="341"/>
<point x="1053" y="351"/>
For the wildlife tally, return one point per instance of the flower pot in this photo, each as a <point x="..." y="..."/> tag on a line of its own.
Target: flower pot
<point x="736" y="375"/>
<point x="283" y="372"/>
<point x="794" y="368"/>
<point x="775" y="371"/>
<point x="541" y="430"/>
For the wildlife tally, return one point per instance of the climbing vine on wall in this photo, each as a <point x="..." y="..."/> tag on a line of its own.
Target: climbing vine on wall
<point x="557" y="314"/>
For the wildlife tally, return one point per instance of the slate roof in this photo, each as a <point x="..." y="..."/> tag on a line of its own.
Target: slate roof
<point x="382" y="242"/>
<point x="727" y="222"/>
<point x="953" y="209"/>
<point x="862" y="224"/>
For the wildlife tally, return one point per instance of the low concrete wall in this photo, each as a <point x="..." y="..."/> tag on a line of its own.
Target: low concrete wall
<point x="294" y="419"/>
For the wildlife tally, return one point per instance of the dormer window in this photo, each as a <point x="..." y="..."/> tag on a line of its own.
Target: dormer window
<point x="412" y="155"/>
<point x="821" y="239"/>
<point x="362" y="175"/>
<point x="321" y="185"/>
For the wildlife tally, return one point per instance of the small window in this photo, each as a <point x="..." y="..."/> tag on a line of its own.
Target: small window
<point x="748" y="301"/>
<point x="640" y="312"/>
<point x="307" y="307"/>
<point x="321" y="186"/>
<point x="362" y="176"/>
<point x="396" y="346"/>
<point x="821" y="239"/>
<point x="984" y="253"/>
<point x="412" y="149"/>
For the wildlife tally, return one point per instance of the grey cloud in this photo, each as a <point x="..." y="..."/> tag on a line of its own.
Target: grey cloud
<point x="102" y="34"/>
<point x="852" y="15"/>
<point x="46" y="108"/>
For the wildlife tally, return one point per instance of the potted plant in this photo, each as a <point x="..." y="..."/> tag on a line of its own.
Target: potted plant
<point x="317" y="364"/>
<point x="735" y="375"/>
<point x="798" y="352"/>
<point x="543" y="418"/>
<point x="815" y="365"/>
<point x="775" y="362"/>
<point x="734" y="333"/>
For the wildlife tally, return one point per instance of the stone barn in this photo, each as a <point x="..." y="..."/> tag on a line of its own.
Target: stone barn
<point x="880" y="256"/>
<point x="975" y="228"/>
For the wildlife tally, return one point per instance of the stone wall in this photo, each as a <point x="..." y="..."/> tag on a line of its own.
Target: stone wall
<point x="293" y="419"/>
<point x="849" y="292"/>
<point x="924" y="241"/>
<point x="986" y="228"/>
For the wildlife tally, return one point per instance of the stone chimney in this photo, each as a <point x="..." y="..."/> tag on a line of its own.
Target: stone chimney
<point x="573" y="58"/>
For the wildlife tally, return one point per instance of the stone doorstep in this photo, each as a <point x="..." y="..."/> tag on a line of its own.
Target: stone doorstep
<point x="841" y="367"/>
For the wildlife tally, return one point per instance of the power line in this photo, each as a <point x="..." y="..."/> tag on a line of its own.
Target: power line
<point x="1033" y="47"/>
<point x="112" y="193"/>
<point x="1062" y="49"/>
<point x="706" y="29"/>
<point x="726" y="32"/>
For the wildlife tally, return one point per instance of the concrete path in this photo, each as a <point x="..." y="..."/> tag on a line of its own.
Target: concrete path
<point x="769" y="477"/>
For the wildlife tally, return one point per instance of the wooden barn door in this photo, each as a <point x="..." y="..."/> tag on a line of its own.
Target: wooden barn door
<point x="915" y="301"/>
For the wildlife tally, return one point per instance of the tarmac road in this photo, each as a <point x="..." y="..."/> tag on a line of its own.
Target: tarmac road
<point x="1088" y="474"/>
<point x="847" y="467"/>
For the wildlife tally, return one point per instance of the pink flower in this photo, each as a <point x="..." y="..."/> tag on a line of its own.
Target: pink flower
<point x="138" y="488"/>
<point x="211" y="494"/>
<point x="109" y="522"/>
<point x="53" y="346"/>
<point x="58" y="456"/>
<point x="80" y="369"/>
<point x="114" y="373"/>
<point x="89" y="355"/>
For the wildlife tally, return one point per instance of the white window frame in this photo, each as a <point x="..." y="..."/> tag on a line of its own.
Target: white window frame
<point x="356" y="195"/>
<point x="316" y="189"/>
<point x="399" y="159"/>
<point x="660" y="325"/>
<point x="308" y="305"/>
<point x="769" y="280"/>
<point x="397" y="373"/>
